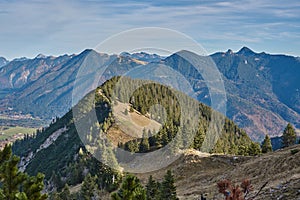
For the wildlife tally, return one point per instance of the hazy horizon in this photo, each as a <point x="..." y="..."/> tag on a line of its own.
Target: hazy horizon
<point x="67" y="27"/>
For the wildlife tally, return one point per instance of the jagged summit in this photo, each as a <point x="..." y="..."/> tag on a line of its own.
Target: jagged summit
<point x="93" y="52"/>
<point x="246" y="51"/>
<point x="124" y="54"/>
<point x="87" y="51"/>
<point x="229" y="51"/>
<point x="3" y="61"/>
<point x="143" y="56"/>
<point x="20" y="59"/>
<point x="40" y="56"/>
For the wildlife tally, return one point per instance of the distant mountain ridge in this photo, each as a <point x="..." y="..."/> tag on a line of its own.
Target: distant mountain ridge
<point x="43" y="86"/>
<point x="143" y="56"/>
<point x="263" y="90"/>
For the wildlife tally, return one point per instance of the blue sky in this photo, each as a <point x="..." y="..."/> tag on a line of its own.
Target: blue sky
<point x="56" y="27"/>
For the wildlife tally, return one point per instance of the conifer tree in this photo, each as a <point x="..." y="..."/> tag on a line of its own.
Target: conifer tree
<point x="131" y="189"/>
<point x="11" y="178"/>
<point x="152" y="189"/>
<point x="199" y="138"/>
<point x="177" y="142"/>
<point x="152" y="140"/>
<point x="132" y="146"/>
<point x="89" y="187"/>
<point x="144" y="145"/>
<point x="108" y="156"/>
<point x="65" y="193"/>
<point x="15" y="184"/>
<point x="164" y="136"/>
<point x="289" y="136"/>
<point x="254" y="149"/>
<point x="126" y="111"/>
<point x="33" y="187"/>
<point x="266" y="145"/>
<point x="168" y="188"/>
<point x="54" y="196"/>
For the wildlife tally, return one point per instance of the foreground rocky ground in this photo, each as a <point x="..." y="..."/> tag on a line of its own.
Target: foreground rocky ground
<point x="197" y="173"/>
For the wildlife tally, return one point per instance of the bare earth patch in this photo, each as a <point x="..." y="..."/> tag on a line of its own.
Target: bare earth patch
<point x="133" y="123"/>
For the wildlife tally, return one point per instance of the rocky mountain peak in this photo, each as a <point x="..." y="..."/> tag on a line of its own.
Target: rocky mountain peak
<point x="246" y="51"/>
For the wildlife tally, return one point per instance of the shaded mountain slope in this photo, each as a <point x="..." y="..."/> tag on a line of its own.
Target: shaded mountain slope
<point x="43" y="86"/>
<point x="262" y="89"/>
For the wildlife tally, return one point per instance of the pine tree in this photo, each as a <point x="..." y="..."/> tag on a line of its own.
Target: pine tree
<point x="33" y="187"/>
<point x="164" y="137"/>
<point x="131" y="189"/>
<point x="54" y="196"/>
<point x="108" y="156"/>
<point x="144" y="145"/>
<point x="152" y="189"/>
<point x="65" y="194"/>
<point x="152" y="140"/>
<point x="199" y="138"/>
<point x="12" y="180"/>
<point x="132" y="146"/>
<point x="289" y="136"/>
<point x="254" y="149"/>
<point x="168" y="188"/>
<point x="186" y="135"/>
<point x="131" y="109"/>
<point x="56" y="180"/>
<point x="89" y="187"/>
<point x="126" y="111"/>
<point x="158" y="138"/>
<point x="177" y="142"/>
<point x="266" y="145"/>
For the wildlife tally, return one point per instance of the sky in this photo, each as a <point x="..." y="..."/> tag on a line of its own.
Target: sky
<point x="57" y="27"/>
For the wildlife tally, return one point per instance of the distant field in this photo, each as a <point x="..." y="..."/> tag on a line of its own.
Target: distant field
<point x="6" y="121"/>
<point x="6" y="131"/>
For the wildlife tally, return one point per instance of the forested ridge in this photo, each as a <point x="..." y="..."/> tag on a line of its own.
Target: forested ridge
<point x="67" y="161"/>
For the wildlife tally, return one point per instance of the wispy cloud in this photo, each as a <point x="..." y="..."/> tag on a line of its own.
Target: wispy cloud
<point x="65" y="26"/>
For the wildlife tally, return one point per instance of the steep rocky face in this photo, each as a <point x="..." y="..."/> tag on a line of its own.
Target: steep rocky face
<point x="263" y="91"/>
<point x="18" y="73"/>
<point x="43" y="86"/>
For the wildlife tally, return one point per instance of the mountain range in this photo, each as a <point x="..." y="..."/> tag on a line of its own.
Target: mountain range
<point x="263" y="90"/>
<point x="70" y="150"/>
